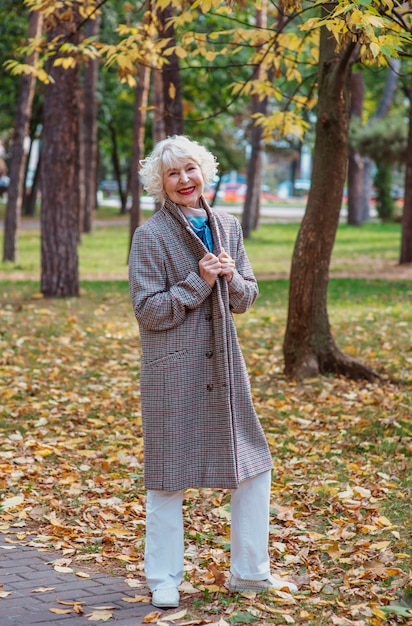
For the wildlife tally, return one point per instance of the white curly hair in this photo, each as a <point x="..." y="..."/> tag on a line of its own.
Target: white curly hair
<point x="170" y="153"/>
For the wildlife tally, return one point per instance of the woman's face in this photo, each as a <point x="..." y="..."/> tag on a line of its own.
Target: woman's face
<point x="184" y="184"/>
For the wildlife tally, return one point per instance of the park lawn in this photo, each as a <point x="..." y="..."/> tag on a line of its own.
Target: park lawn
<point x="368" y="250"/>
<point x="71" y="452"/>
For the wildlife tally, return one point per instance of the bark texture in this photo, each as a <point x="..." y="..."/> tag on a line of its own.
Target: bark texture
<point x="355" y="163"/>
<point x="59" y="214"/>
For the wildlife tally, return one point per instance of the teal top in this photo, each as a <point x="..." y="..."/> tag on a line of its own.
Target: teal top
<point x="202" y="229"/>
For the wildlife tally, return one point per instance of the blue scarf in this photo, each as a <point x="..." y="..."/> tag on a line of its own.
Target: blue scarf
<point x="202" y="230"/>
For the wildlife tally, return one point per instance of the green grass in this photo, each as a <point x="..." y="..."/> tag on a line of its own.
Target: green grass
<point x="103" y="253"/>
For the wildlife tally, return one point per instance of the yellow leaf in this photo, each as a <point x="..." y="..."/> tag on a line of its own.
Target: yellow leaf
<point x="99" y="616"/>
<point x="176" y="616"/>
<point x="11" y="503"/>
<point x="63" y="570"/>
<point x="172" y="91"/>
<point x="137" y="599"/>
<point x="180" y="52"/>
<point x="151" y="617"/>
<point x="60" y="611"/>
<point x="82" y="575"/>
<point x="380" y="545"/>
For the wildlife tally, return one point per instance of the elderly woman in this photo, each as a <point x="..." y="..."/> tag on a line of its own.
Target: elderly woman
<point x="188" y="273"/>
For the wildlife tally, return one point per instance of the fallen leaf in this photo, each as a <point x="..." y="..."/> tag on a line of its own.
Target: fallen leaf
<point x="176" y="616"/>
<point x="99" y="616"/>
<point x="137" y="599"/>
<point x="11" y="503"/>
<point x="151" y="617"/>
<point x="63" y="570"/>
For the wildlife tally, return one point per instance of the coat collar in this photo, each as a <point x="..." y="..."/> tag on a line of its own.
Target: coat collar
<point x="173" y="209"/>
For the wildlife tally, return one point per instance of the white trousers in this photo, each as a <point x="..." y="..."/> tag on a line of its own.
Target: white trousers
<point x="164" y="549"/>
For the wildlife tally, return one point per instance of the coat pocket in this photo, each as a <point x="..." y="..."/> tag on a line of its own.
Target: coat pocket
<point x="166" y="360"/>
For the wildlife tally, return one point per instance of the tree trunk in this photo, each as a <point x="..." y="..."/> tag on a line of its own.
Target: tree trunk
<point x="59" y="214"/>
<point x="90" y="129"/>
<point x="30" y="199"/>
<point x="142" y="93"/>
<point x="172" y="87"/>
<point x="251" y="208"/>
<point x="355" y="163"/>
<point x="81" y="162"/>
<point x="383" y="108"/>
<point x="19" y="154"/>
<point x="158" y="128"/>
<point x="406" y="241"/>
<point x="309" y="348"/>
<point x="117" y="169"/>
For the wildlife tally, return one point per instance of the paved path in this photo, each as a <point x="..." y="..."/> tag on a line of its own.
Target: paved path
<point x="24" y="569"/>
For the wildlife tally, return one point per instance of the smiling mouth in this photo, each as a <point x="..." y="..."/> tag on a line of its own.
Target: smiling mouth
<point x="187" y="190"/>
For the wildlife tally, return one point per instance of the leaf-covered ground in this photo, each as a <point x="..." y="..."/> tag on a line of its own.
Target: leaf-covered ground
<point x="71" y="455"/>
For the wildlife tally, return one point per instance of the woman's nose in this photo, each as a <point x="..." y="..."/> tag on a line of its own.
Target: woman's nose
<point x="183" y="176"/>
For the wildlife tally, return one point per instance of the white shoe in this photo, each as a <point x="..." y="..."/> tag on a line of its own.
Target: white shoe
<point x="166" y="598"/>
<point x="241" y="585"/>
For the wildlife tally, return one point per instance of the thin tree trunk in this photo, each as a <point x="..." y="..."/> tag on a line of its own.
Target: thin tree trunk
<point x="81" y="162"/>
<point x="158" y="128"/>
<point x="142" y="93"/>
<point x="117" y="169"/>
<point x="406" y="241"/>
<point x="172" y="88"/>
<point x="59" y="214"/>
<point x="383" y="108"/>
<point x="19" y="154"/>
<point x="309" y="347"/>
<point x="251" y="208"/>
<point x="355" y="163"/>
<point x="31" y="199"/>
<point x="90" y="125"/>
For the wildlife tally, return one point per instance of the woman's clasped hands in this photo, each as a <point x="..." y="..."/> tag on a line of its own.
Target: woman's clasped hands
<point x="212" y="266"/>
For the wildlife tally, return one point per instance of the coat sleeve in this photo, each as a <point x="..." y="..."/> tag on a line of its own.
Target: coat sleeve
<point x="243" y="288"/>
<point x="158" y="306"/>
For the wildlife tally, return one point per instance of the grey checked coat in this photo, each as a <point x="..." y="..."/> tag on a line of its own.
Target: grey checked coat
<point x="199" y="425"/>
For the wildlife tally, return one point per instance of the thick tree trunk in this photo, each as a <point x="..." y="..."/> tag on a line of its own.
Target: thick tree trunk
<point x="406" y="241"/>
<point x="18" y="161"/>
<point x="142" y="93"/>
<point x="90" y="130"/>
<point x="309" y="347"/>
<point x="59" y="214"/>
<point x="355" y="162"/>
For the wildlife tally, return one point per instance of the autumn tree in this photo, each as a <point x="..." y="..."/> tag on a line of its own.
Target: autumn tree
<point x="309" y="346"/>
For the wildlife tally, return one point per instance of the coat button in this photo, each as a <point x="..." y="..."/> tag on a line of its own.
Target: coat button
<point x="209" y="387"/>
<point x="208" y="317"/>
<point x="209" y="354"/>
